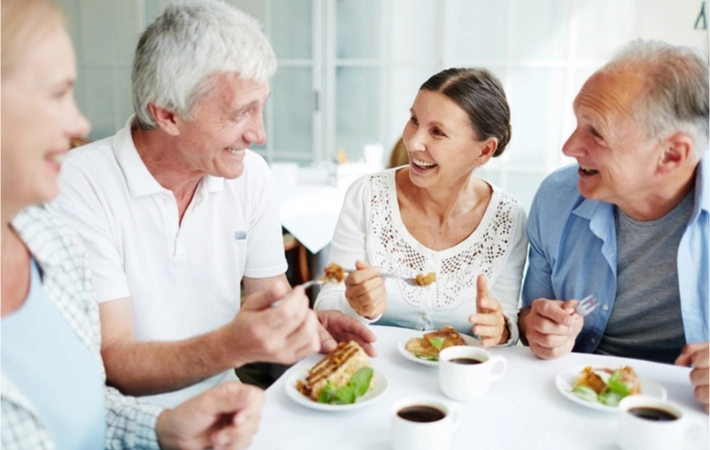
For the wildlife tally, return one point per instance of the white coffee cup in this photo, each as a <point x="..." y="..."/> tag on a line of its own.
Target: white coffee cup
<point x="407" y="433"/>
<point x="638" y="433"/>
<point x="467" y="381"/>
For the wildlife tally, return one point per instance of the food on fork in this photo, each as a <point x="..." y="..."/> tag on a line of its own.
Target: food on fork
<point x="340" y="377"/>
<point x="425" y="280"/>
<point x="606" y="386"/>
<point x="428" y="346"/>
<point x="333" y="273"/>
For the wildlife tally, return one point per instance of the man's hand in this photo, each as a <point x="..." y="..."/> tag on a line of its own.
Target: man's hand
<point x="550" y="327"/>
<point x="365" y="290"/>
<point x="337" y="327"/>
<point x="282" y="334"/>
<point x="697" y="355"/>
<point x="225" y="417"/>
<point x="489" y="322"/>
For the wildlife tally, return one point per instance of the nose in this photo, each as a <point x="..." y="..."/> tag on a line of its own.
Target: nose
<point x="572" y="146"/>
<point x="256" y="133"/>
<point x="411" y="139"/>
<point x="77" y="124"/>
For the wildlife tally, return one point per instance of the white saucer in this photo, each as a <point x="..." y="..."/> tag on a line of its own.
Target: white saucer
<point x="402" y="347"/>
<point x="564" y="381"/>
<point x="374" y="394"/>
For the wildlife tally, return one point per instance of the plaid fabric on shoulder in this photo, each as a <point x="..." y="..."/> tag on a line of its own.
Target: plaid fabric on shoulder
<point x="61" y="255"/>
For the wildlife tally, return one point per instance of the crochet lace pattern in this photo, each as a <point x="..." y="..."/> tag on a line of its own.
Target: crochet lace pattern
<point x="455" y="272"/>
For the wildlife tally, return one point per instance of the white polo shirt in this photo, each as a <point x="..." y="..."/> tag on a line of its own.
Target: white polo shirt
<point x="183" y="280"/>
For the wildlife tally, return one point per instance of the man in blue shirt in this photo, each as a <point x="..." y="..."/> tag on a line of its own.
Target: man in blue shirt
<point x="629" y="223"/>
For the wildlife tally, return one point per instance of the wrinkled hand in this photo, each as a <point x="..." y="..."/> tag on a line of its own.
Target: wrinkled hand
<point x="365" y="290"/>
<point x="489" y="322"/>
<point x="551" y="327"/>
<point x="225" y="417"/>
<point x="698" y="355"/>
<point x="284" y="334"/>
<point x="337" y="327"/>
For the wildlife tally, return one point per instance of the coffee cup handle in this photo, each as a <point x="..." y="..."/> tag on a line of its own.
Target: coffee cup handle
<point x="455" y="413"/>
<point x="498" y="367"/>
<point x="694" y="430"/>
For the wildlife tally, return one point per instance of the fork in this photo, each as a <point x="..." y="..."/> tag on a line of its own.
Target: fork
<point x="586" y="305"/>
<point x="320" y="282"/>
<point x="305" y="285"/>
<point x="409" y="281"/>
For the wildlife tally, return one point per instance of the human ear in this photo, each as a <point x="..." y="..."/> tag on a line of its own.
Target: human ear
<point x="675" y="151"/>
<point x="486" y="150"/>
<point x="166" y="120"/>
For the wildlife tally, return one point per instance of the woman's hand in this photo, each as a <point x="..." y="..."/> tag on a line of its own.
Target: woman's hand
<point x="365" y="290"/>
<point x="488" y="322"/>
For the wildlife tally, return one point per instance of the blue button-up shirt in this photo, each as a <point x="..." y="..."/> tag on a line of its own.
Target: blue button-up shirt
<point x="573" y="254"/>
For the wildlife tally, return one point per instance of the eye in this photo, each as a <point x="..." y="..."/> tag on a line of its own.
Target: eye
<point x="413" y="120"/>
<point x="59" y="94"/>
<point x="438" y="132"/>
<point x="595" y="133"/>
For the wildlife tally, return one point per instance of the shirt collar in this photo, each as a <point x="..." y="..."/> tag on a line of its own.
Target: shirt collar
<point x="702" y="185"/>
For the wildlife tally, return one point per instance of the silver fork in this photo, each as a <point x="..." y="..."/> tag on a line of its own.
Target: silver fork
<point x="409" y="281"/>
<point x="586" y="305"/>
<point x="305" y="285"/>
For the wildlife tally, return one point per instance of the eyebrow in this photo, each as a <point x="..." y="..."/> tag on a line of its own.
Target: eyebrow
<point x="252" y="104"/>
<point x="63" y="84"/>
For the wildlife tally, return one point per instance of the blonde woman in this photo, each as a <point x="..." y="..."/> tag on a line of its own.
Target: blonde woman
<point x="57" y="397"/>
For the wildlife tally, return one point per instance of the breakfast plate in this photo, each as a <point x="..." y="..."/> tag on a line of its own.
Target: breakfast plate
<point x="565" y="380"/>
<point x="402" y="347"/>
<point x="374" y="394"/>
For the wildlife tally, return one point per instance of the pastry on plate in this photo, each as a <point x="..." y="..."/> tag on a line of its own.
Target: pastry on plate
<point x="429" y="345"/>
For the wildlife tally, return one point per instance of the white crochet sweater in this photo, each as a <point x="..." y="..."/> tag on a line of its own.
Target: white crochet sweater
<point x="370" y="228"/>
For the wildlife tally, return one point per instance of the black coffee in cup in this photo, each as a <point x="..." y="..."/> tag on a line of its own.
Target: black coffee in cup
<point x="421" y="413"/>
<point x="654" y="414"/>
<point x="467" y="361"/>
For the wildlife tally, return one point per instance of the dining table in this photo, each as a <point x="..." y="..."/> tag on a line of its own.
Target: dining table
<point x="525" y="409"/>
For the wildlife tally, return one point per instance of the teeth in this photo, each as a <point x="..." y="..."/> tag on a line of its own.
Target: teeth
<point x="423" y="164"/>
<point x="588" y="171"/>
<point x="235" y="151"/>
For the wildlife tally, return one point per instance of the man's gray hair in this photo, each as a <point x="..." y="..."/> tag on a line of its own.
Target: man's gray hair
<point x="178" y="55"/>
<point x="675" y="96"/>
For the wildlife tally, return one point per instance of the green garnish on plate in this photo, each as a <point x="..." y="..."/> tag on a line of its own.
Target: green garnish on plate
<point x="345" y="395"/>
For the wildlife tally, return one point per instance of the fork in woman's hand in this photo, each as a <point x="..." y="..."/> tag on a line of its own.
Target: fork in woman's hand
<point x="586" y="305"/>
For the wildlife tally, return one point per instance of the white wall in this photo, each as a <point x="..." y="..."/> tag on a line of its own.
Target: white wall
<point x="542" y="50"/>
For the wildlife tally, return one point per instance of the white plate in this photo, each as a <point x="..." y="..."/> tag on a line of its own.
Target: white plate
<point x="402" y="347"/>
<point x="564" y="381"/>
<point x="376" y="393"/>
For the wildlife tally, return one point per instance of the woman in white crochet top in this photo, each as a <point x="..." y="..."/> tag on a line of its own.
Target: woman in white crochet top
<point x="435" y="215"/>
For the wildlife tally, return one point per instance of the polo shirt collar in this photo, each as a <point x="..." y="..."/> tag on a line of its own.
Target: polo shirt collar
<point x="702" y="185"/>
<point x="138" y="178"/>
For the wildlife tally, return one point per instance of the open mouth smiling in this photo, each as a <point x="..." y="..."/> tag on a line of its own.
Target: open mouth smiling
<point x="423" y="164"/>
<point x="586" y="171"/>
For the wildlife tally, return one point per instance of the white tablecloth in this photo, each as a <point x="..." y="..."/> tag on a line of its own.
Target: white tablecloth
<point x="523" y="410"/>
<point x="309" y="211"/>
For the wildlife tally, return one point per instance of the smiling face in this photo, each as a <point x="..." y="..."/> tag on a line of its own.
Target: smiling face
<point x="39" y="116"/>
<point x="442" y="145"/>
<point x="226" y="123"/>
<point x="617" y="162"/>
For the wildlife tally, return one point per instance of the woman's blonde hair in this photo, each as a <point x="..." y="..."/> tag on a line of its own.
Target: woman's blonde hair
<point x="24" y="24"/>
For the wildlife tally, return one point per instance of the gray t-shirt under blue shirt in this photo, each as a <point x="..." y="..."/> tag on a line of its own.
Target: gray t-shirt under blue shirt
<point x="646" y="321"/>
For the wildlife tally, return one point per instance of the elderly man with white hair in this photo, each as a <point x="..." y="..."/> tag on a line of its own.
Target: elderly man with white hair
<point x="177" y="213"/>
<point x="629" y="222"/>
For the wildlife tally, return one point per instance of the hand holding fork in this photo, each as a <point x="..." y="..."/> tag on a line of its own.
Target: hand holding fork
<point x="587" y="305"/>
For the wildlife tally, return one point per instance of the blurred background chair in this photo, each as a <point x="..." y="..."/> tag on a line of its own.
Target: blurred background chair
<point x="399" y="155"/>
<point x="297" y="257"/>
